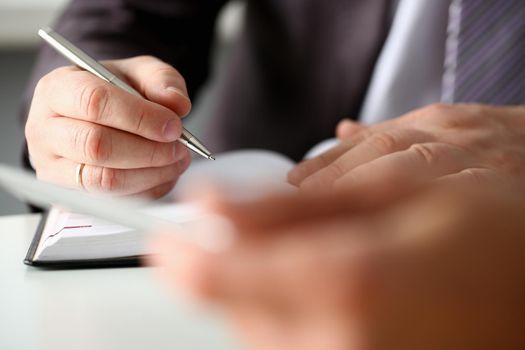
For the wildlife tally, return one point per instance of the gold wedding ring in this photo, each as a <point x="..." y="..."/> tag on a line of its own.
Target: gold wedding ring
<point x="80" y="169"/>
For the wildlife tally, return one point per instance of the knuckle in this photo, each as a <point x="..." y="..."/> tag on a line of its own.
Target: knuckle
<point x="448" y="116"/>
<point x="94" y="144"/>
<point x="337" y="169"/>
<point x="109" y="180"/>
<point x="91" y="177"/>
<point x="326" y="177"/>
<point x="362" y="135"/>
<point x="324" y="159"/>
<point x="426" y="152"/>
<point x="452" y="123"/>
<point x="100" y="179"/>
<point x="436" y="111"/>
<point x="384" y="142"/>
<point x="93" y="101"/>
<point x="474" y="176"/>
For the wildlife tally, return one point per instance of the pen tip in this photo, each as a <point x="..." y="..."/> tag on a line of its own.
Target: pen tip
<point x="211" y="158"/>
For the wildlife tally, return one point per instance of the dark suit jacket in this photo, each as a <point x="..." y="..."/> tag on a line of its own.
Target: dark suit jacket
<point x="298" y="68"/>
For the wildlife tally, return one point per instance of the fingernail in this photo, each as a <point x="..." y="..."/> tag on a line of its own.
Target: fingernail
<point x="171" y="130"/>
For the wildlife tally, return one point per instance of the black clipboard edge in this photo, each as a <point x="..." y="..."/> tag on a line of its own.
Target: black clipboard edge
<point x="127" y="261"/>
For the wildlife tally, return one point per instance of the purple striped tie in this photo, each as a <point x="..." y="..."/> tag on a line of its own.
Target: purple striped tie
<point x="485" y="61"/>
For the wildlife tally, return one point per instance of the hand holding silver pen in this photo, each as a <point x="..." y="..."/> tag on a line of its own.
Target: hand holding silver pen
<point x="83" y="132"/>
<point x="84" y="61"/>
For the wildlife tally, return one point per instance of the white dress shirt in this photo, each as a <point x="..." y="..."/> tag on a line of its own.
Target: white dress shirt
<point x="409" y="71"/>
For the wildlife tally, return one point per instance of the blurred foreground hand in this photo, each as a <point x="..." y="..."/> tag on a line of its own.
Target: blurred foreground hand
<point x="444" y="269"/>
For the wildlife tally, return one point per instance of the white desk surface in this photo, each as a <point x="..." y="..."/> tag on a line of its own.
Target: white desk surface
<point x="92" y="309"/>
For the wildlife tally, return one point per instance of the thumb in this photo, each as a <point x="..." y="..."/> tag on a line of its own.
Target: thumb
<point x="156" y="80"/>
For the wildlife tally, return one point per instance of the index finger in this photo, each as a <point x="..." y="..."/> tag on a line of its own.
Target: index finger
<point x="77" y="94"/>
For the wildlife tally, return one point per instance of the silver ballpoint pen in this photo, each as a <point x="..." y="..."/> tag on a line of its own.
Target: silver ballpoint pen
<point x="84" y="61"/>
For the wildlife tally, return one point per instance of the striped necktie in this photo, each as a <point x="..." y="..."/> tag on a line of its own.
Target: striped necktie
<point x="485" y="54"/>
